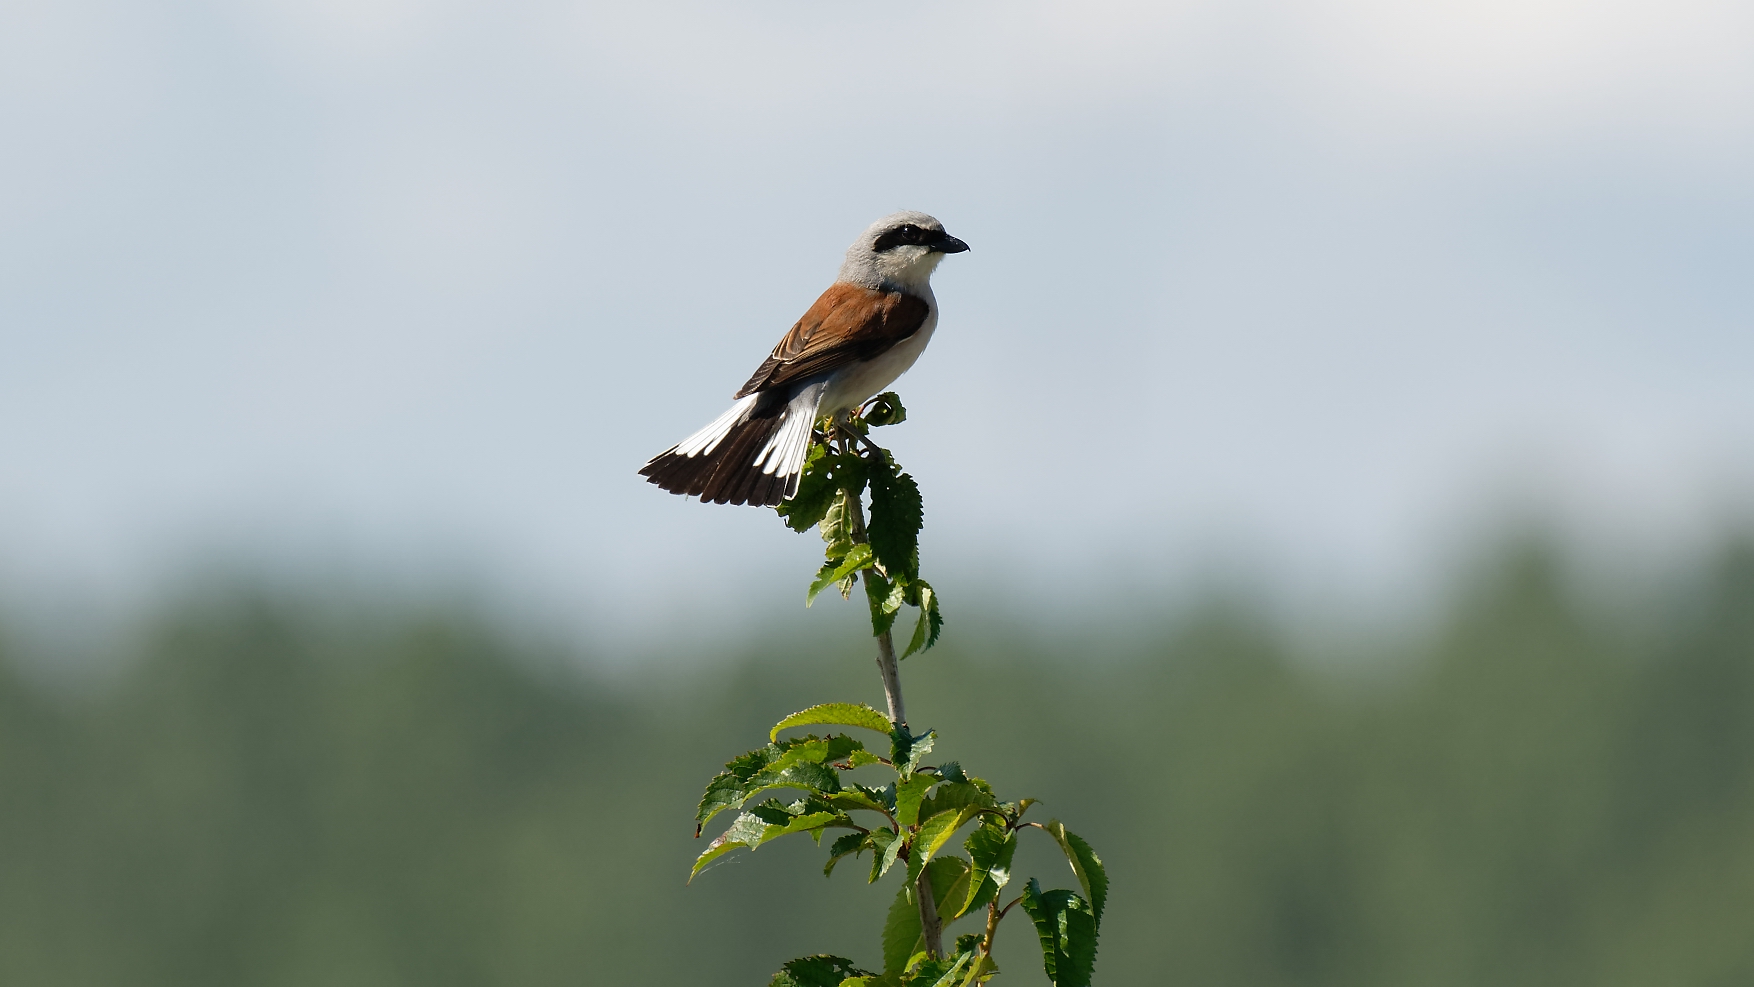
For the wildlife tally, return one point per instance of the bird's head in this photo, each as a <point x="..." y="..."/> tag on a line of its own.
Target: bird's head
<point x="899" y="251"/>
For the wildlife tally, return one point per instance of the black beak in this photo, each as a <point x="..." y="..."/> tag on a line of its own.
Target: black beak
<point x="948" y="244"/>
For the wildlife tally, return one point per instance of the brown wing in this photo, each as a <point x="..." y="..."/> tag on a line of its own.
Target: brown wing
<point x="846" y="325"/>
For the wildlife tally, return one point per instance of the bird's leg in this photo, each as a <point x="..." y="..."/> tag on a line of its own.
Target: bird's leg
<point x="842" y="426"/>
<point x="876" y="450"/>
<point x="849" y="435"/>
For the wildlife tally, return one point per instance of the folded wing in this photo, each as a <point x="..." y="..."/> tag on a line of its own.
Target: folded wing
<point x="848" y="324"/>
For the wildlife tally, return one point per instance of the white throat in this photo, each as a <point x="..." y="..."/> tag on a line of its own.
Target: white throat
<point x="906" y="269"/>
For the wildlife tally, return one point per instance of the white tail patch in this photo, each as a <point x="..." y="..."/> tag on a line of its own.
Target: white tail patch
<point x="709" y="437"/>
<point x="785" y="451"/>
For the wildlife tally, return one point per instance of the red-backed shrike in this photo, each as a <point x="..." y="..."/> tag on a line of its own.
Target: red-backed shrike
<point x="865" y="331"/>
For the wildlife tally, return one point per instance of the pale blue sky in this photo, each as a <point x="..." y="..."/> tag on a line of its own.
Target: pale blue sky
<point x="417" y="287"/>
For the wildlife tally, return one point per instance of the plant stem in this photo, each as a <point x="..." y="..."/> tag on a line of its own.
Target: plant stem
<point x="887" y="666"/>
<point x="931" y="926"/>
<point x="993" y="917"/>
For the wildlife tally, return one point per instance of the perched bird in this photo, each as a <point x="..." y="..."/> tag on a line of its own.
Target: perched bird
<point x="865" y="331"/>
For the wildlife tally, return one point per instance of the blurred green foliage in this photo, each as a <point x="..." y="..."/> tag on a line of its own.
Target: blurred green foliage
<point x="1537" y="790"/>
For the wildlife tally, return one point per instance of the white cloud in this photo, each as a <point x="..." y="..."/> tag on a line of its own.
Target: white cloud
<point x="1489" y="68"/>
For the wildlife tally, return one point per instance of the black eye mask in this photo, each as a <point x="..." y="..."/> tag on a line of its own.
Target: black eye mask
<point x="907" y="233"/>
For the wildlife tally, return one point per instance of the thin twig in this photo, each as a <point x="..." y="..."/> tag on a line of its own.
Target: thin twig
<point x="993" y="917"/>
<point x="887" y="666"/>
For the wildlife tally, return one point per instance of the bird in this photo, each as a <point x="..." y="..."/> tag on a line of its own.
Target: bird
<point x="866" y="330"/>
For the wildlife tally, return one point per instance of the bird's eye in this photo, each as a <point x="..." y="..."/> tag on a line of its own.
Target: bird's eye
<point x="906" y="233"/>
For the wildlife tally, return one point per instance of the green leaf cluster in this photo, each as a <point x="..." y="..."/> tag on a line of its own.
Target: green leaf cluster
<point x="913" y="819"/>
<point x="826" y="475"/>
<point x="905" y="960"/>
<point x="797" y="763"/>
<point x="886" y="553"/>
<point x="821" y="970"/>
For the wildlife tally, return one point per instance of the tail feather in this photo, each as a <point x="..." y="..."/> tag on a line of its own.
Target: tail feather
<point x="751" y="454"/>
<point x="732" y="474"/>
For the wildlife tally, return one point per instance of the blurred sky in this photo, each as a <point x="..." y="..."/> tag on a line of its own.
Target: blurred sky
<point x="418" y="286"/>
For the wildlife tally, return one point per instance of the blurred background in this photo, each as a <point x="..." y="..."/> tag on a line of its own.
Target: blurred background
<point x="1338" y="456"/>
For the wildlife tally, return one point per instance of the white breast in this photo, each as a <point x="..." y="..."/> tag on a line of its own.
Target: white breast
<point x="849" y="387"/>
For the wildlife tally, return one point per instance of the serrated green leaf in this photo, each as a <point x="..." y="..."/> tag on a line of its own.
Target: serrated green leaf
<point x="820" y="483"/>
<point x="841" y="747"/>
<point x="807" y="774"/>
<point x="815" y="491"/>
<point x="772" y="813"/>
<point x="933" y="834"/>
<point x="954" y="795"/>
<point x="936" y="835"/>
<point x="918" y="641"/>
<point x="897" y="596"/>
<point x="990" y="849"/>
<point x="730" y="786"/>
<point x="1085" y="863"/>
<point x="890" y="854"/>
<point x="884" y="409"/>
<point x="806" y="748"/>
<point x="884" y="796"/>
<point x="878" y="591"/>
<point x="821" y="970"/>
<point x="931" y="621"/>
<point x="953" y="969"/>
<point x="860" y="758"/>
<point x="1067" y="930"/>
<point x="808" y="822"/>
<point x="908" y="796"/>
<point x="896" y="518"/>
<point x="901" y="930"/>
<point x="955" y="891"/>
<point x="752" y="830"/>
<point x="855" y="799"/>
<point x="803" y="807"/>
<point x="882" y="840"/>
<point x="743" y="830"/>
<point x="835" y="714"/>
<point x="836" y="526"/>
<point x="979" y="972"/>
<point x="787" y="764"/>
<point x="905" y="750"/>
<point x="848" y="845"/>
<point x="857" y="557"/>
<point x="945" y="873"/>
<point x="951" y="771"/>
<point x="823" y="579"/>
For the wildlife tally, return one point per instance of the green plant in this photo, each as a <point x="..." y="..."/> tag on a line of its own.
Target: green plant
<point x="912" y="818"/>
